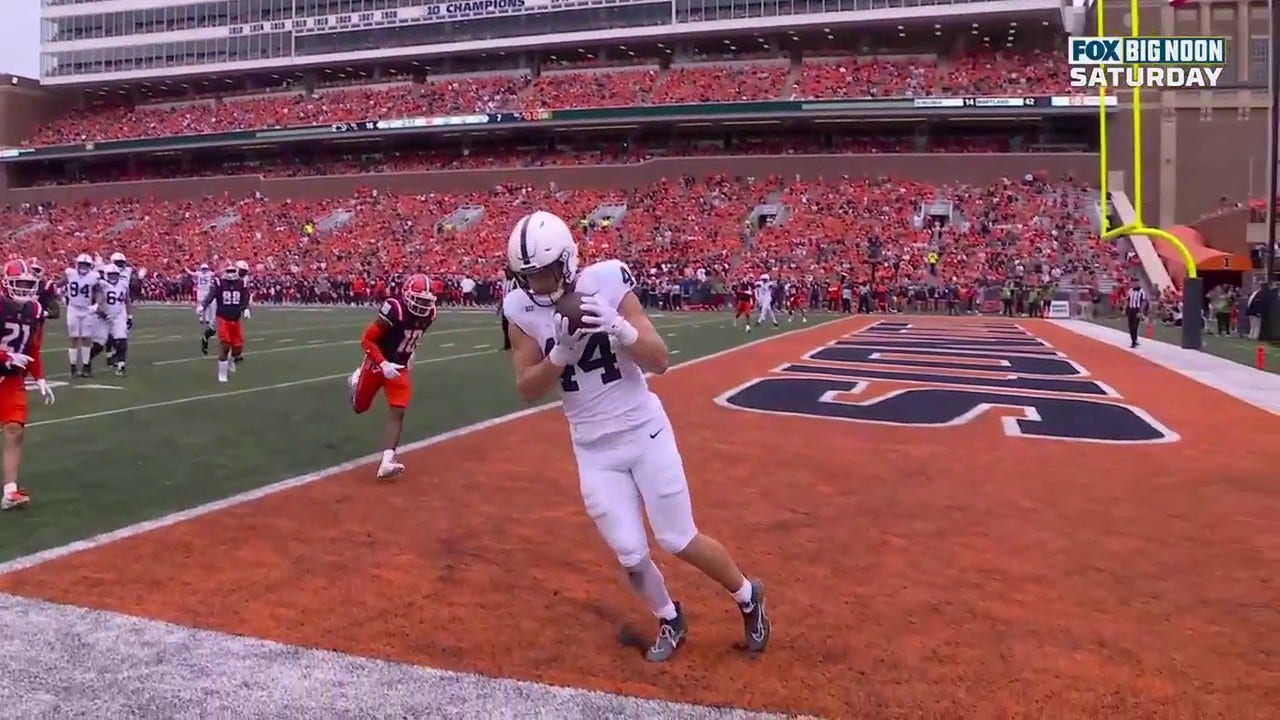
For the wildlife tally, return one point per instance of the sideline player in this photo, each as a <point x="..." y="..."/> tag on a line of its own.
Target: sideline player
<point x="389" y="343"/>
<point x="231" y="298"/>
<point x="115" y="316"/>
<point x="48" y="294"/>
<point x="764" y="298"/>
<point x="628" y="462"/>
<point x="742" y="305"/>
<point x="23" y="321"/>
<point x="795" y="303"/>
<point x="81" y="286"/>
<point x="203" y="280"/>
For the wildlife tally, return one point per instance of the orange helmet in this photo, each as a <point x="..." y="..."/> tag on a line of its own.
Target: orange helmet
<point x="19" y="282"/>
<point x="417" y="295"/>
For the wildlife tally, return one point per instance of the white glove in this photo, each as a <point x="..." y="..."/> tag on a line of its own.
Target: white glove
<point x="566" y="349"/>
<point x="93" y="308"/>
<point x="390" y="370"/>
<point x="18" y="360"/>
<point x="199" y="311"/>
<point x="599" y="317"/>
<point x="45" y="391"/>
<point x="247" y="314"/>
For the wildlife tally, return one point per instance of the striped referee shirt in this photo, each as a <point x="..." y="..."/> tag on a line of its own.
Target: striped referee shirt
<point x="1136" y="299"/>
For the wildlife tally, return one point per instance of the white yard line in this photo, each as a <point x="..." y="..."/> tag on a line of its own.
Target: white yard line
<point x="195" y="335"/>
<point x="174" y="518"/>
<point x="310" y="344"/>
<point x="229" y="393"/>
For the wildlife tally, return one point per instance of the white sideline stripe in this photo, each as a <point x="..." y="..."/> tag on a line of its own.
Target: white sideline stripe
<point x="310" y="344"/>
<point x="195" y="335"/>
<point x="229" y="393"/>
<point x="248" y="496"/>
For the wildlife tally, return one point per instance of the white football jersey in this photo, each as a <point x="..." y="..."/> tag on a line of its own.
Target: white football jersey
<point x="80" y="287"/>
<point x="204" y="283"/>
<point x="605" y="391"/>
<point x="764" y="290"/>
<point x="115" y="297"/>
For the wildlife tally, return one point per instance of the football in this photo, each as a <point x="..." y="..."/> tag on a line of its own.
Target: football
<point x="570" y="306"/>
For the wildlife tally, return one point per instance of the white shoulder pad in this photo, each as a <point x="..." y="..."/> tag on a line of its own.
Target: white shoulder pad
<point x="610" y="279"/>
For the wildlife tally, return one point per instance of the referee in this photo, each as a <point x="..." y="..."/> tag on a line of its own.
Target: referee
<point x="508" y="285"/>
<point x="1135" y="306"/>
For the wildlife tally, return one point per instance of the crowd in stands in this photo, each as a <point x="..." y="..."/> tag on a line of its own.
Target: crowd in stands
<point x="818" y="78"/>
<point x="1032" y="230"/>
<point x="522" y="157"/>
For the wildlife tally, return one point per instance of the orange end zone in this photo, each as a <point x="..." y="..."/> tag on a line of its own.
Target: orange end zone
<point x="952" y="571"/>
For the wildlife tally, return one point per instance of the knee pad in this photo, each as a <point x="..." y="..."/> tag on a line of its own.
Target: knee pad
<point x="632" y="558"/>
<point x="675" y="540"/>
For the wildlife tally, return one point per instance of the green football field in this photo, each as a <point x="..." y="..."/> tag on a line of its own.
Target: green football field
<point x="115" y="451"/>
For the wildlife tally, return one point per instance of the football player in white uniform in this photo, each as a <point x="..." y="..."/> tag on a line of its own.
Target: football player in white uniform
<point x="628" y="462"/>
<point x="115" y="309"/>
<point x="202" y="279"/>
<point x="121" y="263"/>
<point x="764" y="299"/>
<point x="81" y="287"/>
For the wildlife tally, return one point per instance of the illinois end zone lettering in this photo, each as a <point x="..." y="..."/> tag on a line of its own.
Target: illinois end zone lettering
<point x="1020" y="364"/>
<point x="1002" y="383"/>
<point x="1050" y="417"/>
<point x="962" y="371"/>
<point x="1013" y="346"/>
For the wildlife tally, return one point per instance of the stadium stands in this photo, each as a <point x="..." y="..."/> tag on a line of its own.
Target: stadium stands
<point x="1031" y="229"/>
<point x="978" y="74"/>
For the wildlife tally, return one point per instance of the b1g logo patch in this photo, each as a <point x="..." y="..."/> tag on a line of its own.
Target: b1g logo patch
<point x="957" y="374"/>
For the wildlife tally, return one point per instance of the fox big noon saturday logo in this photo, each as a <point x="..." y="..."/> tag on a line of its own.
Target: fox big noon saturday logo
<point x="1167" y="63"/>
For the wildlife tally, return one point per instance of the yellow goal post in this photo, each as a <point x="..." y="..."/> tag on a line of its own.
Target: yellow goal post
<point x="1139" y="225"/>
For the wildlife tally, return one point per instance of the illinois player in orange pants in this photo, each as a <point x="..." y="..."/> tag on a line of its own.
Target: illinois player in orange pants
<point x="232" y="299"/>
<point x="389" y="343"/>
<point x="22" y="322"/>
<point x="742" y="305"/>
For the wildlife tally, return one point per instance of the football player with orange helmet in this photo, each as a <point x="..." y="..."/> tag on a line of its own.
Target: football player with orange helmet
<point x="389" y="344"/>
<point x="22" y="320"/>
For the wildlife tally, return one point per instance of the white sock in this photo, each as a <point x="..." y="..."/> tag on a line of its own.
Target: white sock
<point x="72" y="354"/>
<point x="388" y="456"/>
<point x="222" y="368"/>
<point x="10" y="488"/>
<point x="84" y="355"/>
<point x="743" y="594"/>
<point x="646" y="579"/>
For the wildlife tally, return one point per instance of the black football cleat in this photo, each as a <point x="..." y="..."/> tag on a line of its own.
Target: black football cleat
<point x="671" y="634"/>
<point x="204" y="345"/>
<point x="755" y="621"/>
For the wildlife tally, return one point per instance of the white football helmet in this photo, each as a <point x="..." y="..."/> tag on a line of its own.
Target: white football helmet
<point x="110" y="272"/>
<point x="764" y="277"/>
<point x="243" y="268"/>
<point x="542" y="252"/>
<point x="204" y="267"/>
<point x="84" y="263"/>
<point x="118" y="259"/>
